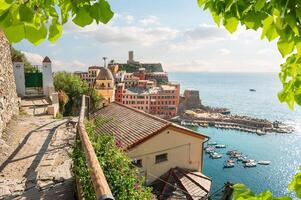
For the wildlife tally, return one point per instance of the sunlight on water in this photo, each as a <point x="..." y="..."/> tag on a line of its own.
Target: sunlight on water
<point x="232" y="91"/>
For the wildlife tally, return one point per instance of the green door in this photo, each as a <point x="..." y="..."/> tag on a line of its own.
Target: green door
<point x="33" y="80"/>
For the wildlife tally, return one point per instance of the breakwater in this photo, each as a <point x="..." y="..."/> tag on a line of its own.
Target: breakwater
<point x="235" y="122"/>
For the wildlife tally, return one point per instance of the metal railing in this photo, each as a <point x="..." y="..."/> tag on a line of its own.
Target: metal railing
<point x="100" y="185"/>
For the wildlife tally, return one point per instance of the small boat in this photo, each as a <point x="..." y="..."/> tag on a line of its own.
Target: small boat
<point x="215" y="155"/>
<point x="231" y="152"/>
<point x="210" y="149"/>
<point x="228" y="165"/>
<point x="235" y="155"/>
<point x="252" y="90"/>
<point x="250" y="164"/>
<point x="264" y="162"/>
<point x="219" y="146"/>
<point x="242" y="158"/>
<point x="212" y="143"/>
<point x="230" y="161"/>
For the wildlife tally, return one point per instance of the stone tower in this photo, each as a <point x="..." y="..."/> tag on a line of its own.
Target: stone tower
<point x="47" y="77"/>
<point x="19" y="75"/>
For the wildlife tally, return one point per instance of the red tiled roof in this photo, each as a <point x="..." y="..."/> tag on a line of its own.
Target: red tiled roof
<point x="17" y="59"/>
<point x="181" y="183"/>
<point x="132" y="127"/>
<point x="94" y="67"/>
<point x="46" y="60"/>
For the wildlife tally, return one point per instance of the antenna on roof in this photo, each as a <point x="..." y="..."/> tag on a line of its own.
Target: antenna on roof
<point x="104" y="62"/>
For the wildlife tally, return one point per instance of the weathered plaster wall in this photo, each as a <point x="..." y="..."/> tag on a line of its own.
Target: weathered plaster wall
<point x="8" y="95"/>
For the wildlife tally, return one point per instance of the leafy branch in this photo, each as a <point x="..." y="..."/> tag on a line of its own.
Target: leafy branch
<point x="36" y="20"/>
<point x="279" y="20"/>
<point x="242" y="192"/>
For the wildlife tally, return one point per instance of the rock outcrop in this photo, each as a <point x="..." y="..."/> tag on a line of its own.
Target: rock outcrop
<point x="8" y="94"/>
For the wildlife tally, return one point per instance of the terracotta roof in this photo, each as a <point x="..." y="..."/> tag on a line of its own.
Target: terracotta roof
<point x="17" y="59"/>
<point x="94" y="67"/>
<point x="180" y="183"/>
<point x="132" y="127"/>
<point x="104" y="74"/>
<point x="46" y="60"/>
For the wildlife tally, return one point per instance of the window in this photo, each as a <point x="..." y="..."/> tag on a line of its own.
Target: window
<point x="161" y="158"/>
<point x="137" y="163"/>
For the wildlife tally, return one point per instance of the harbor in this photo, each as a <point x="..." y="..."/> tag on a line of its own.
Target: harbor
<point x="233" y="122"/>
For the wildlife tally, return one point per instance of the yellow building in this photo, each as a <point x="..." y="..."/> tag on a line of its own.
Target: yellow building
<point x="160" y="149"/>
<point x="104" y="84"/>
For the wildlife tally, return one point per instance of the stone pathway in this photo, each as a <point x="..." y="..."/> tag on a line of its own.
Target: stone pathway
<point x="35" y="159"/>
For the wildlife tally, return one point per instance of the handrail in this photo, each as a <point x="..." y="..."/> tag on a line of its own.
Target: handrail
<point x="101" y="187"/>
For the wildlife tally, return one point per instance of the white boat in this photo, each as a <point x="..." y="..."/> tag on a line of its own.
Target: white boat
<point x="215" y="155"/>
<point x="219" y="146"/>
<point x="264" y="162"/>
<point x="212" y="143"/>
<point x="242" y="158"/>
<point x="228" y="165"/>
<point x="210" y="149"/>
<point x="250" y="164"/>
<point x="232" y="152"/>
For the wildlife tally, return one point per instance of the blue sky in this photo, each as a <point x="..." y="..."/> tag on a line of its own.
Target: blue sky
<point x="174" y="32"/>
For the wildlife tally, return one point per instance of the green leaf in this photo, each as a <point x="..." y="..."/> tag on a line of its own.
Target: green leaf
<point x="15" y="33"/>
<point x="272" y="33"/>
<point x="252" y="21"/>
<point x="82" y="18"/>
<point x="259" y="5"/>
<point x="298" y="45"/>
<point x="5" y="20"/>
<point x="285" y="47"/>
<point x="201" y="2"/>
<point x="231" y="24"/>
<point x="55" y="30"/>
<point x="292" y="22"/>
<point x="216" y="18"/>
<point x="298" y="98"/>
<point x="35" y="35"/>
<point x="26" y="13"/>
<point x="101" y="12"/>
<point x="266" y="25"/>
<point x="4" y="5"/>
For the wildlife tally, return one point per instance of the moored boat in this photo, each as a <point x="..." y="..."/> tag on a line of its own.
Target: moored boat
<point x="210" y="149"/>
<point x="264" y="162"/>
<point x="250" y="164"/>
<point x="212" y="143"/>
<point x="215" y="155"/>
<point x="219" y="146"/>
<point x="228" y="164"/>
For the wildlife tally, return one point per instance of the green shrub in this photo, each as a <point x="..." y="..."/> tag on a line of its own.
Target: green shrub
<point x="122" y="177"/>
<point x="72" y="86"/>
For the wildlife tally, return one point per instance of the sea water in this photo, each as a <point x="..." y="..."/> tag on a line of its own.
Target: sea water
<point x="231" y="90"/>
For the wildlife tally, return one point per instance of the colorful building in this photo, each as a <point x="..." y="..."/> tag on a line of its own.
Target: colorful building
<point x="104" y="84"/>
<point x="162" y="101"/>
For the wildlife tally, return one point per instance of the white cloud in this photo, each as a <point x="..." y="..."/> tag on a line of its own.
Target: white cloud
<point x="224" y="51"/>
<point x="57" y="65"/>
<point x="34" y="58"/>
<point x="150" y="20"/>
<point x="125" y="34"/>
<point x="267" y="52"/>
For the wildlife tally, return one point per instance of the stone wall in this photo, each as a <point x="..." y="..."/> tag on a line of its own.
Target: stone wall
<point x="8" y="95"/>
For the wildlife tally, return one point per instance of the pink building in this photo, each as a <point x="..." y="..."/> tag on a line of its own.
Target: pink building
<point x="162" y="101"/>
